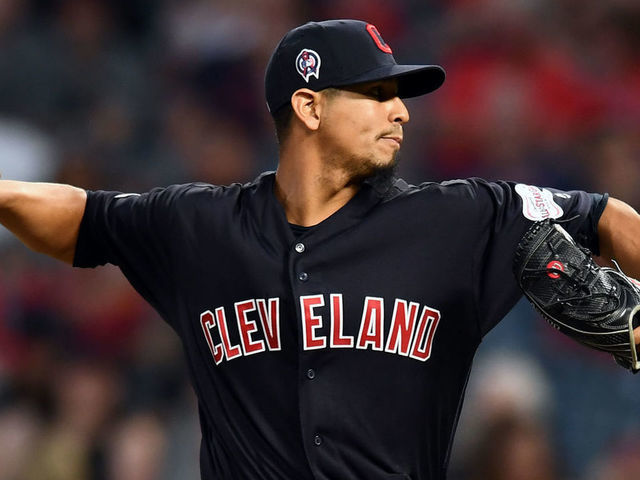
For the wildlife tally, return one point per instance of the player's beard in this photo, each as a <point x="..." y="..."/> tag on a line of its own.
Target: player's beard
<point x="370" y="168"/>
<point x="379" y="176"/>
<point x="384" y="176"/>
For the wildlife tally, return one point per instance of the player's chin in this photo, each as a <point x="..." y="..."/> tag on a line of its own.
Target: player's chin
<point x="384" y="157"/>
<point x="378" y="172"/>
<point x="388" y="161"/>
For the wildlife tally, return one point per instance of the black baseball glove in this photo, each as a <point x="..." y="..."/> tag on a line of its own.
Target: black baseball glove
<point x="596" y="306"/>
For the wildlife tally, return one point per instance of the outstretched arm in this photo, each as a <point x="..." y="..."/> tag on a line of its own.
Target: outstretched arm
<point x="45" y="216"/>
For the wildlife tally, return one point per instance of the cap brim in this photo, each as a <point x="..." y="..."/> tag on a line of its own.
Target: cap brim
<point x="413" y="80"/>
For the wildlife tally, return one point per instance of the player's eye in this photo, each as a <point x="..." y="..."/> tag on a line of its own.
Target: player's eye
<point x="382" y="92"/>
<point x="376" y="92"/>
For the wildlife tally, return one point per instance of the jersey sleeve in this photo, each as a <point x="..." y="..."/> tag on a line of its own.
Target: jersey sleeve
<point x="505" y="211"/>
<point x="135" y="232"/>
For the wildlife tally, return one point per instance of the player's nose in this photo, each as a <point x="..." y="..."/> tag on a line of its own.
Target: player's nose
<point x="398" y="111"/>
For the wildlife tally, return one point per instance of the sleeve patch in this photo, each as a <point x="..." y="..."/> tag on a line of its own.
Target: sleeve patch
<point x="538" y="204"/>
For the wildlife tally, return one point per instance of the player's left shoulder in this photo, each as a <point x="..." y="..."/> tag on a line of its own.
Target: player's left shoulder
<point x="450" y="189"/>
<point x="433" y="201"/>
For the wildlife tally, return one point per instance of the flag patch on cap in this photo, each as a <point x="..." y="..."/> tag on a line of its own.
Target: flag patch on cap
<point x="308" y="64"/>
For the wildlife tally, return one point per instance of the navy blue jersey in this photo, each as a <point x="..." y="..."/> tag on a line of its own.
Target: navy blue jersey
<point x="336" y="352"/>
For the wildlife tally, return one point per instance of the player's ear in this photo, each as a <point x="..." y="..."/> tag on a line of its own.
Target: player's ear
<point x="306" y="106"/>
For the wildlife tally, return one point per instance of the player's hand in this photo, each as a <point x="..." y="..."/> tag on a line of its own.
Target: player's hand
<point x="596" y="306"/>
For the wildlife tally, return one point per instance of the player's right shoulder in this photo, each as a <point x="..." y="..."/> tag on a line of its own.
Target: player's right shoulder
<point x="199" y="195"/>
<point x="198" y="192"/>
<point x="182" y="200"/>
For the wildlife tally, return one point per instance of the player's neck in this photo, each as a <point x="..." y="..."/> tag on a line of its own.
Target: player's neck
<point x="310" y="193"/>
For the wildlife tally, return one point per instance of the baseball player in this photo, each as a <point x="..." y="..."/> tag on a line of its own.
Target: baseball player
<point x="329" y="311"/>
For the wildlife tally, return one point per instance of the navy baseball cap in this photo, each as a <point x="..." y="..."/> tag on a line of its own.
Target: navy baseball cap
<point x="337" y="53"/>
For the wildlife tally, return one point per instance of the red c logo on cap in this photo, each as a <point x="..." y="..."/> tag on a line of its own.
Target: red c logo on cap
<point x="375" y="34"/>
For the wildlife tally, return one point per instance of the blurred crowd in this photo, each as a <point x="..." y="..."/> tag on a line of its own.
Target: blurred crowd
<point x="131" y="94"/>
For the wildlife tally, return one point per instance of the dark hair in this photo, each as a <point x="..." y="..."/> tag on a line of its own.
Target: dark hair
<point x="282" y="120"/>
<point x="282" y="117"/>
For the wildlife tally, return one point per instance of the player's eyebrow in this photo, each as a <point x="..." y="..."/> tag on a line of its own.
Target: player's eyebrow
<point x="387" y="88"/>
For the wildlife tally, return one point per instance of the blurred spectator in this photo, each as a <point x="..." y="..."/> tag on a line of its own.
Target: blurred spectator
<point x="19" y="431"/>
<point x="620" y="152"/>
<point x="507" y="396"/>
<point x="85" y="399"/>
<point x="620" y="462"/>
<point x="513" y="448"/>
<point x="207" y="146"/>
<point x="25" y="154"/>
<point x="508" y="383"/>
<point x="137" y="449"/>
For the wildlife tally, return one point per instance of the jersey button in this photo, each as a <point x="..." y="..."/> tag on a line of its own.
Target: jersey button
<point x="317" y="440"/>
<point x="299" y="247"/>
<point x="303" y="276"/>
<point x="311" y="374"/>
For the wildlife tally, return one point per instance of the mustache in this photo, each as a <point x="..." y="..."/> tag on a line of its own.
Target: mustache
<point x="396" y="132"/>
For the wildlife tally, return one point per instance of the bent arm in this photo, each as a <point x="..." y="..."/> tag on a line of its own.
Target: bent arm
<point x="619" y="236"/>
<point x="44" y="216"/>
